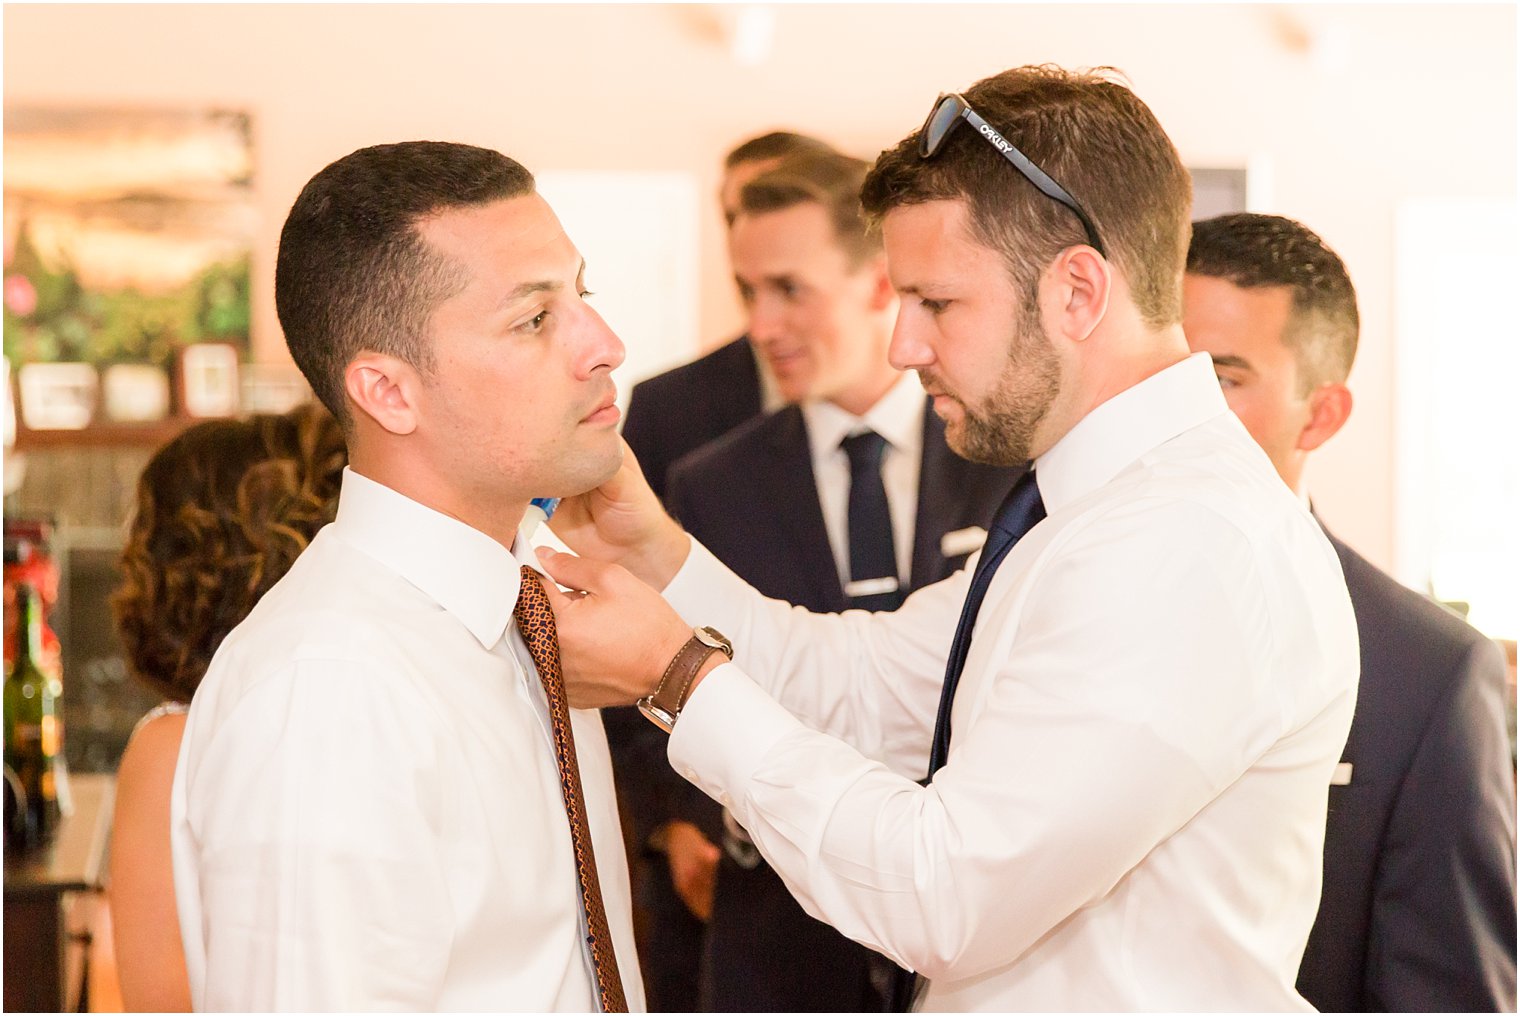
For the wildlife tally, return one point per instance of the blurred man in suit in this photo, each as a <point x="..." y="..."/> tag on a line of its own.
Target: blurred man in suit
<point x="1418" y="908"/>
<point x="680" y="410"/>
<point x="669" y="415"/>
<point x="847" y="497"/>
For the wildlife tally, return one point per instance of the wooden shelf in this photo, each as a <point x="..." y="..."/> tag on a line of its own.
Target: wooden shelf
<point x="103" y="435"/>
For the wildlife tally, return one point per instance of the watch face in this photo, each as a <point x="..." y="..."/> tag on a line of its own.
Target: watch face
<point x="713" y="637"/>
<point x="654" y="714"/>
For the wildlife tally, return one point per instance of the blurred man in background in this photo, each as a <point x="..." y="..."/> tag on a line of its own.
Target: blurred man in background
<point x="1418" y="908"/>
<point x="686" y="407"/>
<point x="669" y="415"/>
<point x="848" y="497"/>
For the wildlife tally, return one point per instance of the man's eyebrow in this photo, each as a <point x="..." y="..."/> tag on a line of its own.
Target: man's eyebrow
<point x="526" y="289"/>
<point x="1230" y="360"/>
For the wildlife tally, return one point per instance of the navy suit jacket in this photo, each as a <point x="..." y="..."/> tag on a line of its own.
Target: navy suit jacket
<point x="682" y="409"/>
<point x="751" y="498"/>
<point x="1418" y="910"/>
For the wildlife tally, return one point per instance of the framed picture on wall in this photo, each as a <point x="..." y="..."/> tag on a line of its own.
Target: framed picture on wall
<point x="271" y="388"/>
<point x="134" y="393"/>
<point x="58" y="396"/>
<point x="208" y="376"/>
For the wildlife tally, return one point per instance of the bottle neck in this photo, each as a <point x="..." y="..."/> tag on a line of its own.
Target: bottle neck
<point x="28" y="625"/>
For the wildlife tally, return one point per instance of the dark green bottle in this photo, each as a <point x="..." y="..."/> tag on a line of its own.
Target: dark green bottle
<point x="32" y="732"/>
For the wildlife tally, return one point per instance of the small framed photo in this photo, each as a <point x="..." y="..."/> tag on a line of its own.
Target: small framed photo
<point x="135" y="393"/>
<point x="58" y="396"/>
<point x="208" y="373"/>
<point x="273" y="387"/>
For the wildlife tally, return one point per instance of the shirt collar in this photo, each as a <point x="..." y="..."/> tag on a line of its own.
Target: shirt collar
<point x="897" y="416"/>
<point x="1121" y="430"/>
<point x="463" y="570"/>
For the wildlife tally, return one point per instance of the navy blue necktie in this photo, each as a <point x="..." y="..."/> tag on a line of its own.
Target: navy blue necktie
<point x="873" y="581"/>
<point x="1017" y="515"/>
<point x="1020" y="511"/>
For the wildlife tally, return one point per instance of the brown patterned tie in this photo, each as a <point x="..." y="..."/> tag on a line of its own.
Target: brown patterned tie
<point x="535" y="619"/>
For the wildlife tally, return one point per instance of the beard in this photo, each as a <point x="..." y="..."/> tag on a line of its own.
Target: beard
<point x="1000" y="431"/>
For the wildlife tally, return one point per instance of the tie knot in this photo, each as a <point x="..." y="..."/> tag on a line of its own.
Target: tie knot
<point x="865" y="450"/>
<point x="1021" y="509"/>
<point x="532" y="610"/>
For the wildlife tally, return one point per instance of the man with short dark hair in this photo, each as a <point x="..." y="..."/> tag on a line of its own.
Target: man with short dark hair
<point x="382" y="801"/>
<point x="1418" y="908"/>
<point x="846" y="497"/>
<point x="1090" y="773"/>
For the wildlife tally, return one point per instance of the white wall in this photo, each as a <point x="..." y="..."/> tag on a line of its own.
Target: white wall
<point x="1352" y="109"/>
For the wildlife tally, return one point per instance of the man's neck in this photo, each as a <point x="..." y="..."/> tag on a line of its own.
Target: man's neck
<point x="1129" y="363"/>
<point x="862" y="397"/>
<point x="500" y="522"/>
<point x="1107" y="372"/>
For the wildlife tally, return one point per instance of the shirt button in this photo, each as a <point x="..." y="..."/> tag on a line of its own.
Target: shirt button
<point x="690" y="774"/>
<point x="725" y="800"/>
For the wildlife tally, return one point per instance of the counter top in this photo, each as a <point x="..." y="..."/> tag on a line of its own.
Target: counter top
<point x="74" y="858"/>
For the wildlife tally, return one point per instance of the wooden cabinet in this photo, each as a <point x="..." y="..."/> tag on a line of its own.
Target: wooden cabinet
<point x="52" y="897"/>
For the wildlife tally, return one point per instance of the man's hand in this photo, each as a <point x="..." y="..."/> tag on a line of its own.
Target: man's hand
<point x="616" y="634"/>
<point x="693" y="861"/>
<point x="622" y="522"/>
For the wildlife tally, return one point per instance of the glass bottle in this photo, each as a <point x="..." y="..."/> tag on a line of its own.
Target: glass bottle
<point x="32" y="731"/>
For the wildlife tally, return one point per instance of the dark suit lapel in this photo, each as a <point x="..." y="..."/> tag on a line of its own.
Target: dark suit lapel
<point x="800" y="518"/>
<point x="744" y="389"/>
<point x="940" y="500"/>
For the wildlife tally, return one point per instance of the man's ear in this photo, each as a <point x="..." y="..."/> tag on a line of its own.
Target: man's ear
<point x="1329" y="406"/>
<point x="384" y="388"/>
<point x="1083" y="282"/>
<point x="883" y="296"/>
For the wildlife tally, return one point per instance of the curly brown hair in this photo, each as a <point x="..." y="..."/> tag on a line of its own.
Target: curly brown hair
<point x="223" y="510"/>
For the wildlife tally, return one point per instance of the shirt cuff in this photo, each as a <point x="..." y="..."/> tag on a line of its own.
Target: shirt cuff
<point x="702" y="580"/>
<point x="728" y="726"/>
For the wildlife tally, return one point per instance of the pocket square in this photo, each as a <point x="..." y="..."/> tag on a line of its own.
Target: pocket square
<point x="1342" y="775"/>
<point x="962" y="541"/>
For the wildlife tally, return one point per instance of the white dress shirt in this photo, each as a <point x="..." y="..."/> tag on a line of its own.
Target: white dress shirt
<point x="1133" y="810"/>
<point x="898" y="416"/>
<point x="366" y="813"/>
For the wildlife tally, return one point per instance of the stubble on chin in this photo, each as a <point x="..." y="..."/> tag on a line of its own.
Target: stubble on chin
<point x="1001" y="431"/>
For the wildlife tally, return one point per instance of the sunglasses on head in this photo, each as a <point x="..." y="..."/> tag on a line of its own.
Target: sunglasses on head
<point x="948" y="112"/>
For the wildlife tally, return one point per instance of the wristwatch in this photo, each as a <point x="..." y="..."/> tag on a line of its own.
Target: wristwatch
<point x="665" y="705"/>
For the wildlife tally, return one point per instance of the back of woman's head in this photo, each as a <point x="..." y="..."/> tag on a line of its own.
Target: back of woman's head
<point x="223" y="510"/>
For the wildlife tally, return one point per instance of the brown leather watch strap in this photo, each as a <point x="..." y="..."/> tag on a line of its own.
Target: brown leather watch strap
<point x="669" y="698"/>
